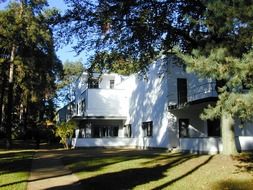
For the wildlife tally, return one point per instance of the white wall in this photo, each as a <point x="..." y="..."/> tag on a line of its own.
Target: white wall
<point x="106" y="102"/>
<point x="213" y="145"/>
<point x="148" y="102"/>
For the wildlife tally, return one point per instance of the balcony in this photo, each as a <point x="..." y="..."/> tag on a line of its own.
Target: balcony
<point x="102" y="103"/>
<point x="202" y="92"/>
<point x="195" y="94"/>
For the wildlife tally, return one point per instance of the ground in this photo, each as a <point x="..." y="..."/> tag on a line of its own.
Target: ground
<point x="129" y="169"/>
<point x="157" y="169"/>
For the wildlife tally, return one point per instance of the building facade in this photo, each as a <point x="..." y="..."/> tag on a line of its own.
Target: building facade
<point x="159" y="110"/>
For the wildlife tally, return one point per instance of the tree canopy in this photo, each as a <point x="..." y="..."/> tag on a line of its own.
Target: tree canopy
<point x="29" y="64"/>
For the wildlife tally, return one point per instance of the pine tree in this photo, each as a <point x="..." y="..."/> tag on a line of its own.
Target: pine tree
<point x="33" y="66"/>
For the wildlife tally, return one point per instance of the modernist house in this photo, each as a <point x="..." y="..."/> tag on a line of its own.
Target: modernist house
<point x="160" y="110"/>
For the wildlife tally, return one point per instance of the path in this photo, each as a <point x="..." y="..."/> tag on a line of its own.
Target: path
<point x="48" y="172"/>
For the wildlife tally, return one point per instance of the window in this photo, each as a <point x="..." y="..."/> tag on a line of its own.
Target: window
<point x="93" y="83"/>
<point x="147" y="128"/>
<point x="128" y="130"/>
<point x="111" y="83"/>
<point x="83" y="106"/>
<point x="213" y="127"/>
<point x="104" y="131"/>
<point x="181" y="91"/>
<point x="183" y="128"/>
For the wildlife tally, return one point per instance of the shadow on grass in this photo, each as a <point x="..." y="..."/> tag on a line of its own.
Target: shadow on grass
<point x="11" y="162"/>
<point x="130" y="178"/>
<point x="150" y="170"/>
<point x="99" y="161"/>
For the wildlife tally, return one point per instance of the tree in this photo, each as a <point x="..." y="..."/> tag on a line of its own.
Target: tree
<point x="219" y="31"/>
<point x="26" y="36"/>
<point x="71" y="72"/>
<point x="65" y="131"/>
<point x="225" y="54"/>
<point x="137" y="29"/>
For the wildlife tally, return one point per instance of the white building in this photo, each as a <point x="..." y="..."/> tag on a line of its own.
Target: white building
<point x="160" y="110"/>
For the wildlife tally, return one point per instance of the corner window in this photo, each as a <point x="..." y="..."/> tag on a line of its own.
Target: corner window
<point x="111" y="83"/>
<point x="128" y="130"/>
<point x="183" y="128"/>
<point x="147" y="128"/>
<point x="213" y="127"/>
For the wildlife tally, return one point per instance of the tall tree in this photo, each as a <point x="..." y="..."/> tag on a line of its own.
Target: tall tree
<point x="225" y="54"/>
<point x="26" y="34"/>
<point x="71" y="71"/>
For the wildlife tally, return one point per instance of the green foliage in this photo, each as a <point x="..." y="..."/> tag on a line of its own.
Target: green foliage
<point x="138" y="30"/>
<point x="112" y="62"/>
<point x="71" y="72"/>
<point x="25" y="25"/>
<point x="65" y="131"/>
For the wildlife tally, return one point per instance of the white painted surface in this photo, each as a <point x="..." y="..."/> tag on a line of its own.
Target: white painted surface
<point x="113" y="142"/>
<point x="210" y="145"/>
<point x="213" y="145"/>
<point x="106" y="102"/>
<point x="246" y="143"/>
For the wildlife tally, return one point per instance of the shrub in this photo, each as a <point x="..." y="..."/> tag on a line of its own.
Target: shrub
<point x="65" y="131"/>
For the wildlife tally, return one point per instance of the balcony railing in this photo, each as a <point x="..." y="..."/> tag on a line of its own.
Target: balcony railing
<point x="200" y="92"/>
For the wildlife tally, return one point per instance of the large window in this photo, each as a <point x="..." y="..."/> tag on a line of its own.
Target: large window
<point x="213" y="127"/>
<point x="93" y="83"/>
<point x="147" y="128"/>
<point x="183" y="128"/>
<point x="104" y="131"/>
<point x="128" y="130"/>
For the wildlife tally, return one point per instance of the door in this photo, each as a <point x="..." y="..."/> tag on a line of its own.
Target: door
<point x="181" y="91"/>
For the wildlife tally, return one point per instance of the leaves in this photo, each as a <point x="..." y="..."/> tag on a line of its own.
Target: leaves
<point x="65" y="131"/>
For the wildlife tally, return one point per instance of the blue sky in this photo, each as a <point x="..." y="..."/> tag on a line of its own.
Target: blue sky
<point x="65" y="53"/>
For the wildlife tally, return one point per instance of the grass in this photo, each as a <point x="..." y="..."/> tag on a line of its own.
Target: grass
<point x="156" y="169"/>
<point x="14" y="169"/>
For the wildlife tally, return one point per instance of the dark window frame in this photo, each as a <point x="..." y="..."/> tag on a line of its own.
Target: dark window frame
<point x="213" y="128"/>
<point x="183" y="128"/>
<point x="93" y="83"/>
<point x="128" y="130"/>
<point x="182" y="91"/>
<point x="147" y="128"/>
<point x="112" y="82"/>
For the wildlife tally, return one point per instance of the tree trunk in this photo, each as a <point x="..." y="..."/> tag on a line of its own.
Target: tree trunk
<point x="10" y="100"/>
<point x="228" y="135"/>
<point x="2" y="94"/>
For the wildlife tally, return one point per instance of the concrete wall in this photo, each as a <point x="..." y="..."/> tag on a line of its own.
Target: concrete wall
<point x="213" y="145"/>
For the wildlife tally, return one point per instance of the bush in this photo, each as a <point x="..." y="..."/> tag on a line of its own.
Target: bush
<point x="65" y="130"/>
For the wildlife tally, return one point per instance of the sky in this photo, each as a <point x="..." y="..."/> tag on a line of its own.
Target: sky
<point x="65" y="53"/>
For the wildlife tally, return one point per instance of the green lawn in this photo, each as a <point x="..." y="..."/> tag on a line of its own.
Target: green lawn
<point x="156" y="169"/>
<point x="15" y="169"/>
